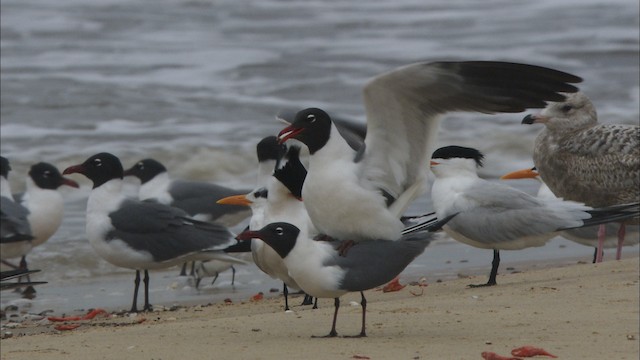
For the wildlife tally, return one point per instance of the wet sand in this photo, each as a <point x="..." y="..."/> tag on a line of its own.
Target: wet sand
<point x="580" y="311"/>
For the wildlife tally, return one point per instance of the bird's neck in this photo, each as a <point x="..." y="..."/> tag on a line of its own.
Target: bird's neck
<point x="335" y="148"/>
<point x="5" y="189"/>
<point x="106" y="197"/>
<point x="155" y="188"/>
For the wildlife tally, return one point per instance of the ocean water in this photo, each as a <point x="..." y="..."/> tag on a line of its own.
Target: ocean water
<point x="195" y="84"/>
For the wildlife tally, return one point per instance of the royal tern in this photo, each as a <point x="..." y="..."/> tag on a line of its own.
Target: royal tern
<point x="361" y="195"/>
<point x="496" y="216"/>
<point x="273" y="203"/>
<point x="587" y="235"/>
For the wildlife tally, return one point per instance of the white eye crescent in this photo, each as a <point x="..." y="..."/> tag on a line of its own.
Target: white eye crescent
<point x="311" y="117"/>
<point x="279" y="230"/>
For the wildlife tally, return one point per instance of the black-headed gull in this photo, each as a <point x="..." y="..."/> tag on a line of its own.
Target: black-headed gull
<point x="361" y="195"/>
<point x="142" y="235"/>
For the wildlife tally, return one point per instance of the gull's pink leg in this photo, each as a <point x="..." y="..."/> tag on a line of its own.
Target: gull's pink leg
<point x="621" y="233"/>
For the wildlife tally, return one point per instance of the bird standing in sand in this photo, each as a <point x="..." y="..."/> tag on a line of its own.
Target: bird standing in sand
<point x="583" y="160"/>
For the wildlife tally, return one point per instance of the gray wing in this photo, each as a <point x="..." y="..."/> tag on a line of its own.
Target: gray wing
<point x="164" y="231"/>
<point x="200" y="198"/>
<point x="403" y="107"/>
<point x="373" y="263"/>
<point x="492" y="213"/>
<point x="13" y="218"/>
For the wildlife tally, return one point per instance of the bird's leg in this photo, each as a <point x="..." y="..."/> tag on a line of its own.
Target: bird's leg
<point x="494" y="270"/>
<point x="621" y="233"/>
<point x="136" y="284"/>
<point x="183" y="269"/>
<point x="601" y="236"/>
<point x="344" y="247"/>
<point x="595" y="254"/>
<point x="147" y="306"/>
<point x="193" y="269"/>
<point x="315" y="304"/>
<point x="285" y="292"/>
<point x="308" y="300"/>
<point x="333" y="332"/>
<point x="233" y="275"/>
<point x="363" y="303"/>
<point x="215" y="278"/>
<point x="323" y="237"/>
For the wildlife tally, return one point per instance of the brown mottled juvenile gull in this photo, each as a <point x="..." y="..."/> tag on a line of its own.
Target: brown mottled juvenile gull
<point x="582" y="160"/>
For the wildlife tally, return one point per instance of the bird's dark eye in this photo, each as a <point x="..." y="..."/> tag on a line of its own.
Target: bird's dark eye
<point x="46" y="174"/>
<point x="141" y="166"/>
<point x="311" y="118"/>
<point x="566" y="108"/>
<point x="279" y="230"/>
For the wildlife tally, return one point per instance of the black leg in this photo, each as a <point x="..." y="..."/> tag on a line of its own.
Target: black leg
<point x="494" y="270"/>
<point x="183" y="270"/>
<point x="285" y="291"/>
<point x="595" y="254"/>
<point x="308" y="300"/>
<point x="147" y="306"/>
<point x="233" y="275"/>
<point x="136" y="284"/>
<point x="193" y="269"/>
<point x="333" y="332"/>
<point x="215" y="278"/>
<point x="315" y="304"/>
<point x="363" y="303"/>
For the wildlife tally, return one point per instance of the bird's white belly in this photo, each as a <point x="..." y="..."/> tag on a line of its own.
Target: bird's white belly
<point x="342" y="209"/>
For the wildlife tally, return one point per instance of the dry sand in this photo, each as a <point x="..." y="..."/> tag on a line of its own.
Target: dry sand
<point x="582" y="311"/>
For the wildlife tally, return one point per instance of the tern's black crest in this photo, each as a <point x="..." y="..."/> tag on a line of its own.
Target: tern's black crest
<point x="4" y="167"/>
<point x="316" y="128"/>
<point x="101" y="168"/>
<point x="46" y="176"/>
<point x="269" y="149"/>
<point x="145" y="170"/>
<point x="280" y="236"/>
<point x="453" y="151"/>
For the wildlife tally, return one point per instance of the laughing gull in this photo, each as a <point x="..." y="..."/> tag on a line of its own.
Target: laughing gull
<point x="16" y="234"/>
<point x="496" y="216"/>
<point x="587" y="235"/>
<point x="582" y="160"/>
<point x="45" y="203"/>
<point x="321" y="272"/>
<point x="142" y="235"/>
<point x="273" y="203"/>
<point x="361" y="195"/>
<point x="198" y="199"/>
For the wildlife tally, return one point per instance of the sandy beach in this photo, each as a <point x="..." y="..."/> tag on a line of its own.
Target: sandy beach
<point x="581" y="311"/>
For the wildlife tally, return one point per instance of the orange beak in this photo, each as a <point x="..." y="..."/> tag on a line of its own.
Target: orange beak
<point x="434" y="163"/>
<point x="521" y="174"/>
<point x="235" y="200"/>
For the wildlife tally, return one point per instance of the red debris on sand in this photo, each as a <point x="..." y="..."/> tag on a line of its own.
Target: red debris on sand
<point x="529" y="351"/>
<point x="488" y="355"/>
<point x="360" y="357"/>
<point x="257" y="297"/>
<point x="67" y="327"/>
<point x="90" y="315"/>
<point x="393" y="285"/>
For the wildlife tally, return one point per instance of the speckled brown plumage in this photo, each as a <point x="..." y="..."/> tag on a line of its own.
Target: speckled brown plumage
<point x="581" y="160"/>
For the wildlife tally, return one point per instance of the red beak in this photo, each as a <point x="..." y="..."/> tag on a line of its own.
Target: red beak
<point x="288" y="133"/>
<point x="75" y="169"/>
<point x="248" y="235"/>
<point x="70" y="182"/>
